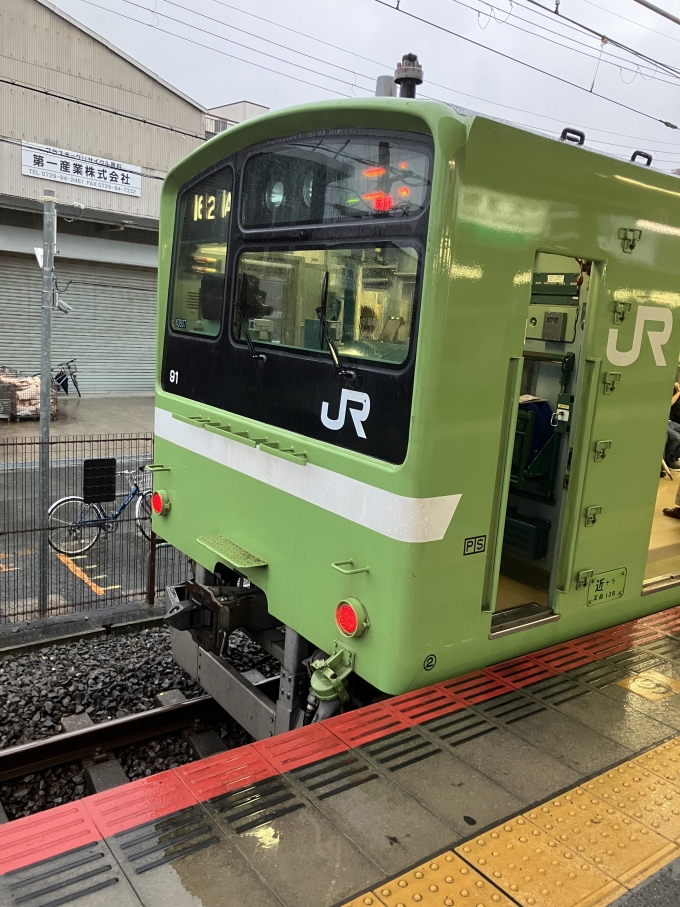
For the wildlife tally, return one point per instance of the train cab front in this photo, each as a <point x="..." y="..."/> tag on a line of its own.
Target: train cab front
<point x="292" y="274"/>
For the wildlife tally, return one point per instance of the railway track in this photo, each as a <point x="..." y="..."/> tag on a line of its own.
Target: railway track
<point x="88" y="742"/>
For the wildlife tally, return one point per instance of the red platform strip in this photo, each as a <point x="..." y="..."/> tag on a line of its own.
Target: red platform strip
<point x="475" y="687"/>
<point x="423" y="705"/>
<point x="225" y="772"/>
<point x="520" y="672"/>
<point x="63" y="828"/>
<point x="45" y="835"/>
<point x="141" y="801"/>
<point x="364" y="725"/>
<point x="300" y="747"/>
<point x="562" y="658"/>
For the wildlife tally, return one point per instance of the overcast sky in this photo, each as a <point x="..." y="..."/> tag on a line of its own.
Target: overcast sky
<point x="370" y="37"/>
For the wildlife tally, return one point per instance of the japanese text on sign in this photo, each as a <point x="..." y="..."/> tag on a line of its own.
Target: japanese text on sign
<point x="48" y="163"/>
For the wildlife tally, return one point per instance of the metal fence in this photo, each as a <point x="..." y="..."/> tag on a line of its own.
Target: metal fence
<point x="120" y="565"/>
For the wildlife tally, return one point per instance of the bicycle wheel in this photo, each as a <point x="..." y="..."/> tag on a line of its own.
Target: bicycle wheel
<point x="75" y="384"/>
<point x="70" y="531"/>
<point x="143" y="513"/>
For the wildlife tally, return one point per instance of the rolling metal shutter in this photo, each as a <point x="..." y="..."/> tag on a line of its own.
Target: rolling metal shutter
<point x="111" y="331"/>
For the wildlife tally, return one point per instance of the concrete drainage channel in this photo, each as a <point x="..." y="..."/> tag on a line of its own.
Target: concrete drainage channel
<point x="88" y="710"/>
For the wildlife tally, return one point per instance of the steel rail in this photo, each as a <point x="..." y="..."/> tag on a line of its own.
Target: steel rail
<point x="17" y="761"/>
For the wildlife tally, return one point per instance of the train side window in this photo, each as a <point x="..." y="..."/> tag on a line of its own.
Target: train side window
<point x="366" y="296"/>
<point x="197" y="288"/>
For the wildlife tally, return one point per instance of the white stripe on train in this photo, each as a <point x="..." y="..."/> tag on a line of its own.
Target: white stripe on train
<point x="397" y="517"/>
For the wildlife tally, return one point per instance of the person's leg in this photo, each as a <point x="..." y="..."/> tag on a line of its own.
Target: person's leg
<point x="674" y="511"/>
<point x="672" y="451"/>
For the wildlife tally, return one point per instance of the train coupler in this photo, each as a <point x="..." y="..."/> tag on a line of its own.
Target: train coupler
<point x="329" y="675"/>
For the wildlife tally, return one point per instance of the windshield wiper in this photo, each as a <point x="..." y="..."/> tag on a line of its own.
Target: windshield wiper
<point x="347" y="374"/>
<point x="243" y="324"/>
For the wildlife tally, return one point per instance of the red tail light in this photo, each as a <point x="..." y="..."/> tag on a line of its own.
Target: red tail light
<point x="351" y="617"/>
<point x="160" y="502"/>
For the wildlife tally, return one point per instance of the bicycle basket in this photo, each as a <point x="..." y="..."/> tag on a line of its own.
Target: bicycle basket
<point x="145" y="482"/>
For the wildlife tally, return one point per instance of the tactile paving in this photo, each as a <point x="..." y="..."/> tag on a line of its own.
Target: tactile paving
<point x="625" y="849"/>
<point x="445" y="880"/>
<point x="663" y="760"/>
<point x="643" y="795"/>
<point x="537" y="870"/>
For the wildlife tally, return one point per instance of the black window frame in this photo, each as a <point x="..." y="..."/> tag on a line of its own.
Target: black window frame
<point x="226" y="164"/>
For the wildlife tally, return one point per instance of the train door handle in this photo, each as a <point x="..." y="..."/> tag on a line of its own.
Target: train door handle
<point x="348" y="568"/>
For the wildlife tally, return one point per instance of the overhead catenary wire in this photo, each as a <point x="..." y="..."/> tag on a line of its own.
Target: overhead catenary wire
<point x="608" y="58"/>
<point x="376" y="63"/>
<point x="224" y="53"/>
<point x="456" y="91"/>
<point x="546" y="12"/>
<point x="382" y="65"/>
<point x="246" y="46"/>
<point x="101" y="107"/>
<point x="657" y="9"/>
<point x="611" y="12"/>
<point x="493" y="50"/>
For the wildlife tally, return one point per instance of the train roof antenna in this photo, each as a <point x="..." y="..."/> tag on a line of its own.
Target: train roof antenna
<point x="407" y="75"/>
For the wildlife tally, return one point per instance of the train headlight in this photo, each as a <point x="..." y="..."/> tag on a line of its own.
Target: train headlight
<point x="351" y="618"/>
<point x="275" y="193"/>
<point x="160" y="502"/>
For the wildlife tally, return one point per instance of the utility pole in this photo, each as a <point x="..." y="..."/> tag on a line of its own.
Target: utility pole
<point x="49" y="200"/>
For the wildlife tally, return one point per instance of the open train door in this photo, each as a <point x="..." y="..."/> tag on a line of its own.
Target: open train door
<point x="616" y="449"/>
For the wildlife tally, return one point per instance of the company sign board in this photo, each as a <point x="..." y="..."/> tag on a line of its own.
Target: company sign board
<point x="49" y="163"/>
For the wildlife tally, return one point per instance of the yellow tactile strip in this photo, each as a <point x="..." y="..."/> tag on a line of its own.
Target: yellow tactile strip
<point x="584" y="848"/>
<point x="446" y="881"/>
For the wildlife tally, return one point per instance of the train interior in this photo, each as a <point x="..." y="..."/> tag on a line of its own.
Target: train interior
<point x="364" y="295"/>
<point x="663" y="555"/>
<point x="540" y="455"/>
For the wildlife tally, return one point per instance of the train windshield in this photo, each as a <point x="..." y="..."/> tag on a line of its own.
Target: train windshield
<point x="330" y="180"/>
<point x="201" y="255"/>
<point x="363" y="297"/>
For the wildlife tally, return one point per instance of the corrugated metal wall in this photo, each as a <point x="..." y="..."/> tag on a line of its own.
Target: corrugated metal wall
<point x="111" y="332"/>
<point x="39" y="48"/>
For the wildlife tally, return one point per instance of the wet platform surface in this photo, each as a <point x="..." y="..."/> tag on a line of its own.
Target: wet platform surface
<point x="552" y="780"/>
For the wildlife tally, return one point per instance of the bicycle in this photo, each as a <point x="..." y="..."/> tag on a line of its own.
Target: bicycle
<point x="64" y="371"/>
<point x="74" y="526"/>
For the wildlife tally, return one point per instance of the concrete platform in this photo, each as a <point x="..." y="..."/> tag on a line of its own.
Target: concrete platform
<point x="552" y="780"/>
<point x="93" y="414"/>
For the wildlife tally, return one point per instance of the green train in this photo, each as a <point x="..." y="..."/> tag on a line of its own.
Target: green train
<point x="413" y="380"/>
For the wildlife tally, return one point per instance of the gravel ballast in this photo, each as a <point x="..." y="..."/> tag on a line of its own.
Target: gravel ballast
<point x="106" y="678"/>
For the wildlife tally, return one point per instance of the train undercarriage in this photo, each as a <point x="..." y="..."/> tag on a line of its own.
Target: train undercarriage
<point x="311" y="685"/>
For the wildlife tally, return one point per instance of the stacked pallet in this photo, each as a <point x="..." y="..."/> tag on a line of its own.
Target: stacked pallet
<point x="22" y="397"/>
